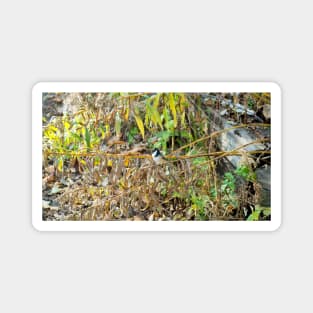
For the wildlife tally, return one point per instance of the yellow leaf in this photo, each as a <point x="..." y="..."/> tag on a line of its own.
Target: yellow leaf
<point x="126" y="113"/>
<point x="148" y="114"/>
<point x="97" y="162"/>
<point x="107" y="130"/>
<point x="182" y="102"/>
<point x="156" y="118"/>
<point x="118" y="124"/>
<point x="83" y="162"/>
<point x="156" y="100"/>
<point x="126" y="162"/>
<point x="140" y="125"/>
<point x="183" y="119"/>
<point x="67" y="125"/>
<point x="60" y="165"/>
<point x="173" y="108"/>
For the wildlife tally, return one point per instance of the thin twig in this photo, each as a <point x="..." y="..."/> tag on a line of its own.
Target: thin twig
<point x="220" y="132"/>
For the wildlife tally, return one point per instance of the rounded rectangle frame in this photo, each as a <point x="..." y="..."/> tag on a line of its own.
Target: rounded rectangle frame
<point x="203" y="87"/>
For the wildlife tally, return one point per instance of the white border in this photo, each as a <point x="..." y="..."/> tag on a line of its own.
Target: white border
<point x="41" y="225"/>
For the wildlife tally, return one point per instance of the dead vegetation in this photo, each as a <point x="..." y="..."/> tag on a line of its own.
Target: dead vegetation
<point x="98" y="165"/>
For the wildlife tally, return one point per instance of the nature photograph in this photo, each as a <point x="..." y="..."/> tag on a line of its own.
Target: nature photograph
<point x="146" y="156"/>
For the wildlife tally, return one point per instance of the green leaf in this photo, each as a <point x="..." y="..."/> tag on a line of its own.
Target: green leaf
<point x="177" y="195"/>
<point x="267" y="211"/>
<point x="254" y="216"/>
<point x="75" y="136"/>
<point x="184" y="134"/>
<point x="246" y="173"/>
<point x="87" y="137"/>
<point x="166" y="118"/>
<point x="164" y="135"/>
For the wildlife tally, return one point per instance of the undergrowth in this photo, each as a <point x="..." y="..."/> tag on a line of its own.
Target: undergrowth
<point x="97" y="163"/>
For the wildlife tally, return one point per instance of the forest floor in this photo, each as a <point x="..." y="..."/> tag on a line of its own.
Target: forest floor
<point x="98" y="165"/>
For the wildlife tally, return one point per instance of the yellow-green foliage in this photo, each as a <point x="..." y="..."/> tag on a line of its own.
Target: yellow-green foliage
<point x="184" y="189"/>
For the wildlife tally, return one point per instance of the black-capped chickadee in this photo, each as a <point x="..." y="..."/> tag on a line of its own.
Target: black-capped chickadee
<point x="157" y="156"/>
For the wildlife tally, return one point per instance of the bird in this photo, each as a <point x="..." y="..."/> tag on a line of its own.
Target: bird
<point x="159" y="159"/>
<point x="157" y="156"/>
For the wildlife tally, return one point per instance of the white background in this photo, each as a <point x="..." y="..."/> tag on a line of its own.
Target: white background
<point x="155" y="41"/>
